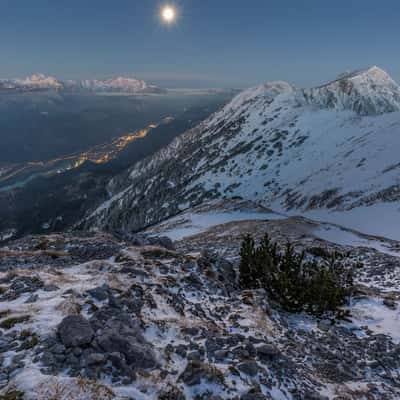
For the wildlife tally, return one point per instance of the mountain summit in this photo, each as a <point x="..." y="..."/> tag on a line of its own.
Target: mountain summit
<point x="367" y="92"/>
<point x="118" y="84"/>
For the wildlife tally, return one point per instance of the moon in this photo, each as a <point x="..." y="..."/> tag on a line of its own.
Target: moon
<point x="168" y="14"/>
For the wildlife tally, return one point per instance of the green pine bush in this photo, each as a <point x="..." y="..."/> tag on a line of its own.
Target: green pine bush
<point x="296" y="282"/>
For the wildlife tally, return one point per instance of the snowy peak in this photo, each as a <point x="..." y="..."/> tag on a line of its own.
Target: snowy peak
<point x="32" y="83"/>
<point x="374" y="75"/>
<point x="367" y="92"/>
<point x="267" y="91"/>
<point x="39" y="81"/>
<point x="256" y="99"/>
<point x="119" y="84"/>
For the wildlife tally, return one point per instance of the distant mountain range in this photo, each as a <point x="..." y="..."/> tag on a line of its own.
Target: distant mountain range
<point x="40" y="82"/>
<point x="330" y="152"/>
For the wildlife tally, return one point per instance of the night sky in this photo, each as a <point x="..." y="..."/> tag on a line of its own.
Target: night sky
<point x="214" y="43"/>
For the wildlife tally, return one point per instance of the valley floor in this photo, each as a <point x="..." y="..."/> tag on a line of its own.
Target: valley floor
<point x="87" y="316"/>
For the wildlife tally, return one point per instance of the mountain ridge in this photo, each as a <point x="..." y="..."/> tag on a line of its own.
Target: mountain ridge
<point x="268" y="145"/>
<point x="40" y="81"/>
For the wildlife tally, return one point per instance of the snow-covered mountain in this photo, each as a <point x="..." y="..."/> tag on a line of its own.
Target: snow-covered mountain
<point x="32" y="83"/>
<point x="330" y="151"/>
<point x="367" y="92"/>
<point x="115" y="85"/>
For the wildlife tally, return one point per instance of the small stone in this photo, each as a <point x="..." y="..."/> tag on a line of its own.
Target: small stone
<point x="194" y="355"/>
<point x="267" y="351"/>
<point x="325" y="325"/>
<point x="249" y="368"/>
<point x="32" y="299"/>
<point x="117" y="360"/>
<point x="96" y="358"/>
<point x="256" y="395"/>
<point x="77" y="351"/>
<point x="58" y="349"/>
<point x="51" y="288"/>
<point x="100" y="293"/>
<point x="390" y="303"/>
<point x="196" y="371"/>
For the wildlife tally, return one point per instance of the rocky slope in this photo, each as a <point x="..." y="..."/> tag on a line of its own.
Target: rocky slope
<point x="90" y="316"/>
<point x="331" y="151"/>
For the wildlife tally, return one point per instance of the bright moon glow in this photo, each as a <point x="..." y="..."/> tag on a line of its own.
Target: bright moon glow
<point x="168" y="14"/>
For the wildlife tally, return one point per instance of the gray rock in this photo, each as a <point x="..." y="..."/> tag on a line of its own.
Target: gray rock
<point x="77" y="351"/>
<point x="325" y="325"/>
<point x="194" y="355"/>
<point x="72" y="361"/>
<point x="50" y="288"/>
<point x="96" y="358"/>
<point x="32" y="299"/>
<point x="100" y="293"/>
<point x="3" y="379"/>
<point x="4" y="344"/>
<point x="162" y="241"/>
<point x="390" y="303"/>
<point x="74" y="331"/>
<point x="315" y="396"/>
<point x="267" y="351"/>
<point x="48" y="359"/>
<point x="253" y="395"/>
<point x="117" y="360"/>
<point x="171" y="394"/>
<point x="181" y="350"/>
<point x="221" y="355"/>
<point x="58" y="349"/>
<point x="249" y="368"/>
<point x="196" y="371"/>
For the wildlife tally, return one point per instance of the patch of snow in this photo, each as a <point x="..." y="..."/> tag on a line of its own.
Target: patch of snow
<point x="377" y="317"/>
<point x="381" y="219"/>
<point x="338" y="235"/>
<point x="191" y="224"/>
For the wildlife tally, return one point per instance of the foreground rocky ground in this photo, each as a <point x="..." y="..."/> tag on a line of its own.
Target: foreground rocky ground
<point x="93" y="316"/>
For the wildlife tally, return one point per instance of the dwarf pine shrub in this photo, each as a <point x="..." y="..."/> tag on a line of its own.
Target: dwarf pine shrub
<point x="294" y="281"/>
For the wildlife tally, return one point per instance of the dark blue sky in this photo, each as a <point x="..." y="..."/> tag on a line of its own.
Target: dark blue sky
<point x="215" y="43"/>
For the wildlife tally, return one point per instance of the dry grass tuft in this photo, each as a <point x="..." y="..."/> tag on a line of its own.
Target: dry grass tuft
<point x="69" y="306"/>
<point x="12" y="321"/>
<point x="76" y="389"/>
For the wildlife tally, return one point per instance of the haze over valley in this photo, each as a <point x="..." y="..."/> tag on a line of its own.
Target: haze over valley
<point x="54" y="140"/>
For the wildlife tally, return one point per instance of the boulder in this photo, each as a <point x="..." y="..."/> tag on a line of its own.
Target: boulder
<point x="267" y="351"/>
<point x="197" y="371"/>
<point x="95" y="359"/>
<point x="75" y="331"/>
